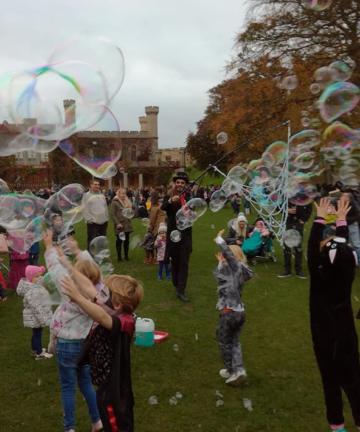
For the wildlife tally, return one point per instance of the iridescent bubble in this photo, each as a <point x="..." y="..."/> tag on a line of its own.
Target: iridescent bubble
<point x="221" y="138"/>
<point x="338" y="99"/>
<point x="231" y="187"/>
<point x="315" y="88"/>
<point x="304" y="160"/>
<point x="128" y="212"/>
<point x="17" y="241"/>
<point x="195" y="208"/>
<point x="34" y="230"/>
<point x="217" y="201"/>
<point x="29" y="97"/>
<point x="324" y="76"/>
<point x="342" y="70"/>
<point x="175" y="236"/>
<point x="340" y="134"/>
<point x="103" y="53"/>
<point x="292" y="238"/>
<point x="306" y="138"/>
<point x="99" y="245"/>
<point x="70" y="196"/>
<point x="301" y="192"/>
<point x="290" y="82"/>
<point x="100" y="155"/>
<point x="238" y="173"/>
<point x="275" y="152"/>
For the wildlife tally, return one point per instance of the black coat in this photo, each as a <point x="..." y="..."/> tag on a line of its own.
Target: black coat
<point x="185" y="243"/>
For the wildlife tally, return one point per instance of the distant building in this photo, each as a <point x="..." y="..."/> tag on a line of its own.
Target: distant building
<point x="140" y="158"/>
<point x="176" y="157"/>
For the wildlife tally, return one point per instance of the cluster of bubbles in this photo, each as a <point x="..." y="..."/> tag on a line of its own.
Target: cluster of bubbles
<point x="286" y="171"/>
<point x="26" y="217"/>
<point x="87" y="72"/>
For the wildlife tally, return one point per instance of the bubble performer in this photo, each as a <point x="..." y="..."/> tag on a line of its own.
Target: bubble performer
<point x="180" y="251"/>
<point x="332" y="264"/>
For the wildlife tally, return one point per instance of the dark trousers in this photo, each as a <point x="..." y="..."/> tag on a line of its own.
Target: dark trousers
<point x="119" y="245"/>
<point x="228" y="333"/>
<point x="179" y="270"/>
<point x="298" y="256"/>
<point x="112" y="416"/>
<point x="95" y="230"/>
<point x="34" y="259"/>
<point x="164" y="265"/>
<point x="338" y="361"/>
<point x="36" y="344"/>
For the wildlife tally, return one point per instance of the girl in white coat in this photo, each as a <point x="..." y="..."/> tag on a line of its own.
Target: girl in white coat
<point x="37" y="311"/>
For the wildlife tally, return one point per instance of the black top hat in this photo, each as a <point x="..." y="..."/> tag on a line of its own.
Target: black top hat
<point x="181" y="175"/>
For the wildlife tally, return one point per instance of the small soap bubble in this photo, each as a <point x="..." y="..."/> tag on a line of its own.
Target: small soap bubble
<point x="153" y="400"/>
<point x="178" y="395"/>
<point x="212" y="226"/>
<point x="173" y="401"/>
<point x="219" y="395"/>
<point x="221" y="138"/>
<point x="219" y="403"/>
<point x="247" y="404"/>
<point x="39" y="382"/>
<point x="176" y="347"/>
<point x="196" y="337"/>
<point x="175" y="236"/>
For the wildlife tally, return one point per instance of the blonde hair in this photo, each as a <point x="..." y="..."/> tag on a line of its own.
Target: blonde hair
<point x="238" y="253"/>
<point x="125" y="291"/>
<point x="89" y="269"/>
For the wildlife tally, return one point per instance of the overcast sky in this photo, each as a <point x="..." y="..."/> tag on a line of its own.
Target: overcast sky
<point x="175" y="50"/>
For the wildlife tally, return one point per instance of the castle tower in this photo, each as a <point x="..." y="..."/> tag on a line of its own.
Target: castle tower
<point x="70" y="112"/>
<point x="152" y="121"/>
<point x="143" y="124"/>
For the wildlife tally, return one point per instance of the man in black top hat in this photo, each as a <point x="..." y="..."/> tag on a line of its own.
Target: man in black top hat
<point x="180" y="251"/>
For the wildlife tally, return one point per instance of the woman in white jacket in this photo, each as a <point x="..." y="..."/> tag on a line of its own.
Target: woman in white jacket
<point x="37" y="312"/>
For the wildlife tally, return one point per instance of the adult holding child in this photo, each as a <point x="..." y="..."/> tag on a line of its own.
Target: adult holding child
<point x="180" y="251"/>
<point x="121" y="211"/>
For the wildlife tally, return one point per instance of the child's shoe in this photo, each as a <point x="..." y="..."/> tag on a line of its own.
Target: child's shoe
<point x="237" y="378"/>
<point x="97" y="427"/>
<point x="224" y="373"/>
<point x="43" y="355"/>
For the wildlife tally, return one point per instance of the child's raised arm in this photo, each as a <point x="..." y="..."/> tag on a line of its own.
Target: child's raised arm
<point x="97" y="313"/>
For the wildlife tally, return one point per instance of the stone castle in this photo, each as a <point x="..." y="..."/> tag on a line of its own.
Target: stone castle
<point x="141" y="156"/>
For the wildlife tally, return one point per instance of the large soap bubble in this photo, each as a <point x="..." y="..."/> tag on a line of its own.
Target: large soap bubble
<point x="218" y="200"/>
<point x="99" y="248"/>
<point x="104" y="54"/>
<point x="318" y="5"/>
<point x="338" y="99"/>
<point x="98" y="156"/>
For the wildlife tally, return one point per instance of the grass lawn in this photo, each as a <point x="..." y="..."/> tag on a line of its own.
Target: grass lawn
<point x="283" y="385"/>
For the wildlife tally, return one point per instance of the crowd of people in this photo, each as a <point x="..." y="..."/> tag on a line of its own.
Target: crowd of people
<point x="92" y="327"/>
